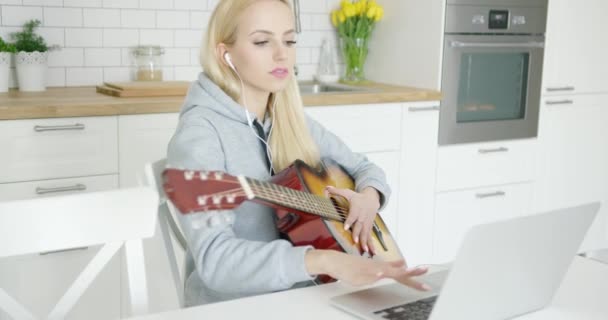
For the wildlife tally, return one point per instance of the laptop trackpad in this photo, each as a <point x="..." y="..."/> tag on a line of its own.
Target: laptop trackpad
<point x="384" y="296"/>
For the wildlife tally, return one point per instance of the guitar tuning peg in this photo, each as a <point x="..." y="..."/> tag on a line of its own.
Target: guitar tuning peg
<point x="188" y="175"/>
<point x="218" y="175"/>
<point x="201" y="200"/>
<point x="204" y="175"/>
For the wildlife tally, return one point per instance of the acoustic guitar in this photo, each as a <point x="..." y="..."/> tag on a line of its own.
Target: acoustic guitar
<point x="304" y="215"/>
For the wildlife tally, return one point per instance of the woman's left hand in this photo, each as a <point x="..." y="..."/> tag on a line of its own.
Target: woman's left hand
<point x="364" y="206"/>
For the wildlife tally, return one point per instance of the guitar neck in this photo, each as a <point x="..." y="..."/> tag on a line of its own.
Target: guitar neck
<point x="291" y="199"/>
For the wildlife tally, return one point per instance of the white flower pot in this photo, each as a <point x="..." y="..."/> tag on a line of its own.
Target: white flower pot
<point x="5" y="67"/>
<point x="31" y="70"/>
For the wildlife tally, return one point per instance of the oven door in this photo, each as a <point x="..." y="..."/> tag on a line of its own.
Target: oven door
<point x="491" y="87"/>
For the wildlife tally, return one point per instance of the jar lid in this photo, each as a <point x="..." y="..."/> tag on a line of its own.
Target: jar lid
<point x="148" y="50"/>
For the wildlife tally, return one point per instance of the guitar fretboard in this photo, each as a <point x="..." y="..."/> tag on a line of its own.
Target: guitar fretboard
<point x="294" y="199"/>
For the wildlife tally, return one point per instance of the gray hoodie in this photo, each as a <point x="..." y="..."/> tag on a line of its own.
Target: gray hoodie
<point x="248" y="257"/>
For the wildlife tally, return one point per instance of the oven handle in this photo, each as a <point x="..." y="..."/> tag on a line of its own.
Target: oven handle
<point x="459" y="44"/>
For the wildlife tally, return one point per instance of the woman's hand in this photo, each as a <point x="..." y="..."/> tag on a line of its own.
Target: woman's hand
<point x="363" y="209"/>
<point x="358" y="271"/>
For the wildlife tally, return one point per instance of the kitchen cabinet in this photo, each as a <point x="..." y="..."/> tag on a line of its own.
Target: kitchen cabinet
<point x="39" y="280"/>
<point x="572" y="166"/>
<point x="418" y="157"/>
<point x="49" y="157"/>
<point x="457" y="211"/>
<point x="575" y="53"/>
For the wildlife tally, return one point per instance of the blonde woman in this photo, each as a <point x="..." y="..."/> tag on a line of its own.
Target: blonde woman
<point x="244" y="116"/>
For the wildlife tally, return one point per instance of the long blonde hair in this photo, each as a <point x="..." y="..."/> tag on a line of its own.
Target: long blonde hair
<point x="290" y="139"/>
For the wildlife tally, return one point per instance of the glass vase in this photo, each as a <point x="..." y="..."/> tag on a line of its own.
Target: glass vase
<point x="354" y="51"/>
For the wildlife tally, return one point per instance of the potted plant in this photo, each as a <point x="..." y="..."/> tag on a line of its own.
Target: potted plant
<point x="6" y="51"/>
<point x="31" y="57"/>
<point x="355" y="21"/>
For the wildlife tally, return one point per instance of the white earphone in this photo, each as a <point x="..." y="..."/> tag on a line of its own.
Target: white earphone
<point x="249" y="119"/>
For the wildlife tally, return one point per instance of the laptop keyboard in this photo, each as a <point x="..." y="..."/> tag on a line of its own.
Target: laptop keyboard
<point x="417" y="310"/>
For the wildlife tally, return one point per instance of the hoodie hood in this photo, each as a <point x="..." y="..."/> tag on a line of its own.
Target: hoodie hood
<point x="204" y="93"/>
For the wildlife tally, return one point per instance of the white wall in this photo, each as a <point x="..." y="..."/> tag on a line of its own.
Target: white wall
<point x="95" y="35"/>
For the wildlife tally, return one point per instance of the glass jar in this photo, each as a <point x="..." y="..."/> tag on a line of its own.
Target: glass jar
<point x="148" y="63"/>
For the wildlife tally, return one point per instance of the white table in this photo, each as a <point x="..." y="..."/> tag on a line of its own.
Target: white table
<point x="582" y="295"/>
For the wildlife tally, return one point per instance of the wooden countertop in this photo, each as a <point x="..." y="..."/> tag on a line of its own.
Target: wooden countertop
<point x="85" y="101"/>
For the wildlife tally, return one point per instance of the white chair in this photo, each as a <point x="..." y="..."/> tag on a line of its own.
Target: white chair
<point x="109" y="218"/>
<point x="173" y="238"/>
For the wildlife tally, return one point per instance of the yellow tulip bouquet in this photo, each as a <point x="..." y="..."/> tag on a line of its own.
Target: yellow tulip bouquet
<point x="355" y="22"/>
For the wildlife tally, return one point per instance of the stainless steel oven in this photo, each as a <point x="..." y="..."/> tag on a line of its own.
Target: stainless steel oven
<point x="492" y="70"/>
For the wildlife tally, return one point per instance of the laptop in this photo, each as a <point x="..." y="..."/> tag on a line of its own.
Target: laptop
<point x="502" y="270"/>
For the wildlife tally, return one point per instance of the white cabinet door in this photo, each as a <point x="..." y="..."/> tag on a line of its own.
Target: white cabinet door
<point x="365" y="127"/>
<point x="389" y="162"/>
<point x="36" y="149"/>
<point x="417" y="181"/>
<point x="56" y="187"/>
<point x="39" y="281"/>
<point x="142" y="139"/>
<point x="573" y="166"/>
<point x="576" y="54"/>
<point x="457" y="211"/>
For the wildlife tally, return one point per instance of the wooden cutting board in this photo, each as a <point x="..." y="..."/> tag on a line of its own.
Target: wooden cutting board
<point x="144" y="88"/>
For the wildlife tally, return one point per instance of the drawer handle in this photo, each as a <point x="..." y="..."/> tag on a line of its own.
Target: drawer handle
<point x="567" y="101"/>
<point x="419" y="109"/>
<point x="490" y="195"/>
<point x="567" y="88"/>
<point x="78" y="187"/>
<point x="78" y="126"/>
<point x="63" y="250"/>
<point x="501" y="149"/>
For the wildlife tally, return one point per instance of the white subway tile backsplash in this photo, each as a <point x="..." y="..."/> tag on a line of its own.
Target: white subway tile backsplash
<point x="83" y="76"/>
<point x="116" y="74"/>
<point x="156" y="4"/>
<point x="97" y="36"/>
<point x="120" y="3"/>
<point x="101" y="18"/>
<point x="195" y="54"/>
<point x="321" y="22"/>
<point x="190" y="4"/>
<point x="83" y="3"/>
<point x="11" y="2"/>
<point x="53" y="36"/>
<point x="97" y="57"/>
<point x="172" y="19"/>
<point x="17" y="16"/>
<point x="63" y="17"/>
<point x="313" y="6"/>
<point x="163" y="38"/>
<point x="187" y="73"/>
<point x="67" y="57"/>
<point x="199" y="20"/>
<point x="188" y="38"/>
<point x="120" y="37"/>
<point x="138" y="19"/>
<point x="177" y="57"/>
<point x="83" y="37"/>
<point x="46" y="3"/>
<point x="55" y="77"/>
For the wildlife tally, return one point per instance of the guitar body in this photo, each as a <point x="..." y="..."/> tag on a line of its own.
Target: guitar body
<point x="302" y="228"/>
<point x="304" y="214"/>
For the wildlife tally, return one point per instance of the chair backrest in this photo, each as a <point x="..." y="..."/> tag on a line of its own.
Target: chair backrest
<point x="109" y="218"/>
<point x="173" y="237"/>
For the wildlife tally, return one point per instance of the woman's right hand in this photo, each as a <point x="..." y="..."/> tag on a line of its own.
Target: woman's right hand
<point x="358" y="271"/>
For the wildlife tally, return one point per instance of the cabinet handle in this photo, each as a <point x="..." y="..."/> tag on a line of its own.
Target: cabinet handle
<point x="501" y="149"/>
<point x="489" y="195"/>
<point x="554" y="89"/>
<point x="418" y="109"/>
<point x="567" y="101"/>
<point x="63" y="250"/>
<point x="77" y="187"/>
<point x="78" y="126"/>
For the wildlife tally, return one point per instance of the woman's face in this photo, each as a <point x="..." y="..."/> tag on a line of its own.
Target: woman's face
<point x="264" y="52"/>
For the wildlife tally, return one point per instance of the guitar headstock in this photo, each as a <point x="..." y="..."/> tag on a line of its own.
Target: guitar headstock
<point x="194" y="191"/>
